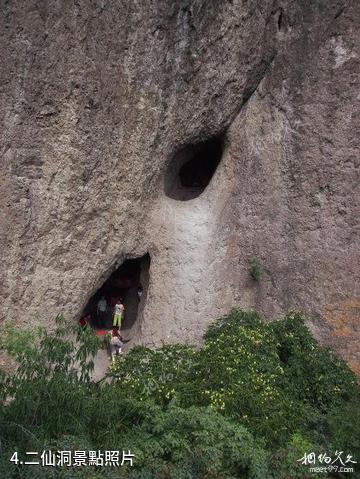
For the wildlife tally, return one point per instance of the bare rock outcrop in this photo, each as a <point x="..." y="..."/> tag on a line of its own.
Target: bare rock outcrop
<point x="99" y="99"/>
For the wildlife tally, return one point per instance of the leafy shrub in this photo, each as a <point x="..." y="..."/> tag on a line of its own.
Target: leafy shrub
<point x="272" y="378"/>
<point x="155" y="373"/>
<point x="255" y="269"/>
<point x="344" y="427"/>
<point x="194" y="442"/>
<point x="248" y="404"/>
<point x="316" y="374"/>
<point x="246" y="380"/>
<point x="285" y="460"/>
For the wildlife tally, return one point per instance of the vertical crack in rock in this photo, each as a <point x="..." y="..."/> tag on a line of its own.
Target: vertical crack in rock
<point x="255" y="79"/>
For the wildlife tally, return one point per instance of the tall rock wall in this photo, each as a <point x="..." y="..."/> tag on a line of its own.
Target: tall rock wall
<point x="96" y="100"/>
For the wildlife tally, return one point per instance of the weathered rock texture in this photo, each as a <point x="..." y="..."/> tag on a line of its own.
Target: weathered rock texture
<point x="96" y="99"/>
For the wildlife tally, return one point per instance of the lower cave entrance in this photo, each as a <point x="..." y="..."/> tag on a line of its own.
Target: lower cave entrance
<point x="129" y="282"/>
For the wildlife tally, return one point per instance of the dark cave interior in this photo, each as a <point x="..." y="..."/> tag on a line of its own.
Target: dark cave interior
<point x="129" y="283"/>
<point x="192" y="169"/>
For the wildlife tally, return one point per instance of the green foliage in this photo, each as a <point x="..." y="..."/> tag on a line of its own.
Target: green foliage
<point x="156" y="373"/>
<point x="255" y="269"/>
<point x="314" y="375"/>
<point x="194" y="442"/>
<point x="285" y="460"/>
<point x="43" y="399"/>
<point x="344" y="426"/>
<point x="247" y="376"/>
<point x="248" y="404"/>
<point x="273" y="378"/>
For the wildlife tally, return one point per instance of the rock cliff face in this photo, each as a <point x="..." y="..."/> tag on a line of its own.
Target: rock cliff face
<point x="101" y="105"/>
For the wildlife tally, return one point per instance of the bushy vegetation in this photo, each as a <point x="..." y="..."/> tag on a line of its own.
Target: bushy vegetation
<point x="248" y="404"/>
<point x="255" y="269"/>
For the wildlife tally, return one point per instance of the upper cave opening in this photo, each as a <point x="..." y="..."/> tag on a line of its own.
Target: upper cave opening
<point x="128" y="284"/>
<point x="192" y="168"/>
